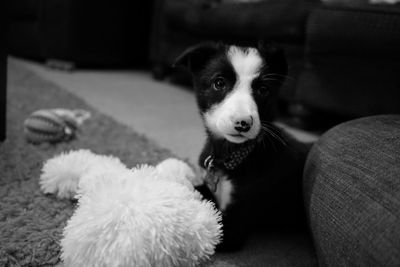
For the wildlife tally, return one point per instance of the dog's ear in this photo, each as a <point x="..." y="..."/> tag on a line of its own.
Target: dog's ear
<point x="196" y="57"/>
<point x="273" y="56"/>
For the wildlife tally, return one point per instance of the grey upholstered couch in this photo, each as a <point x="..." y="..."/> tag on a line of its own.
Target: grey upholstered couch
<point x="352" y="191"/>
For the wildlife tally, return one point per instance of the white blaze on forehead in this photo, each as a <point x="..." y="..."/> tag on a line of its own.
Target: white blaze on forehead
<point x="246" y="62"/>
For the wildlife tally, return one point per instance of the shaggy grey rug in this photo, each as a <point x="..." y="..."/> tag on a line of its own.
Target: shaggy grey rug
<point x="31" y="223"/>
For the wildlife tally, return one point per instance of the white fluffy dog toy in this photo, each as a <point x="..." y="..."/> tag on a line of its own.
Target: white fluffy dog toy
<point x="145" y="216"/>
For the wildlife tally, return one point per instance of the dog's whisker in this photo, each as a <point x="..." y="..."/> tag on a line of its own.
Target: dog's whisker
<point x="278" y="137"/>
<point x="271" y="142"/>
<point x="271" y="130"/>
<point x="273" y="134"/>
<point x="262" y="141"/>
<point x="268" y="133"/>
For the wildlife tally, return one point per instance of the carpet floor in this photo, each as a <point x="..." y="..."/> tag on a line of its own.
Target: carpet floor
<point x="31" y="223"/>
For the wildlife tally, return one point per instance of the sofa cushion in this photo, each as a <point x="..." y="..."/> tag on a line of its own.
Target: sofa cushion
<point x="352" y="192"/>
<point x="352" y="61"/>
<point x="356" y="31"/>
<point x="264" y="19"/>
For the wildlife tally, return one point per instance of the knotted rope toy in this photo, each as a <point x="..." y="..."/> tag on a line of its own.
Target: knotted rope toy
<point x="145" y="216"/>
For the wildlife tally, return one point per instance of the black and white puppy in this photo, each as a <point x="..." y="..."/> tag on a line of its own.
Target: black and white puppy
<point x="253" y="169"/>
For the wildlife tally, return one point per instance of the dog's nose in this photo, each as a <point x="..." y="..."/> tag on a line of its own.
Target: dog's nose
<point x="243" y="125"/>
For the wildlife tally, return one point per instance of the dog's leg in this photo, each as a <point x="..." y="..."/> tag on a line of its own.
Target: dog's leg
<point x="234" y="224"/>
<point x="235" y="230"/>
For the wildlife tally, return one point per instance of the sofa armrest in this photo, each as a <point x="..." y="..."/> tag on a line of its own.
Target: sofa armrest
<point x="352" y="193"/>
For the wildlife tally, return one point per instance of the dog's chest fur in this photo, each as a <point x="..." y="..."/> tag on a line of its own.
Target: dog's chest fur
<point x="224" y="193"/>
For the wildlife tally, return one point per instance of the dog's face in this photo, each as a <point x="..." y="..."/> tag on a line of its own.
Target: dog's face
<point x="235" y="87"/>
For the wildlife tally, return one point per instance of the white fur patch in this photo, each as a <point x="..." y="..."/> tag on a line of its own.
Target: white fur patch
<point x="247" y="63"/>
<point x="223" y="194"/>
<point x="239" y="103"/>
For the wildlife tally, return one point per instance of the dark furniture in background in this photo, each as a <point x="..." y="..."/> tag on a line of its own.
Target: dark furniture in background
<point x="352" y="60"/>
<point x="90" y="33"/>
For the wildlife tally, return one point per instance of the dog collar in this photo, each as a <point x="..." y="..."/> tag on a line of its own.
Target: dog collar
<point x="230" y="161"/>
<point x="217" y="166"/>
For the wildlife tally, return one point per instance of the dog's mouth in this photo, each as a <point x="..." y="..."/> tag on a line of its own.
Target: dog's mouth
<point x="237" y="138"/>
<point x="236" y="135"/>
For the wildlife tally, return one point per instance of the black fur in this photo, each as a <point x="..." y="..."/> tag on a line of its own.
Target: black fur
<point x="268" y="187"/>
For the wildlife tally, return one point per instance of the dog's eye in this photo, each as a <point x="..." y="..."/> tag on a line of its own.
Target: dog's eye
<point x="219" y="84"/>
<point x="262" y="90"/>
